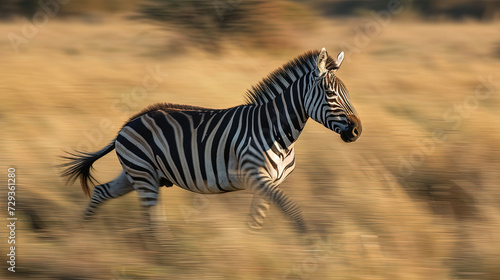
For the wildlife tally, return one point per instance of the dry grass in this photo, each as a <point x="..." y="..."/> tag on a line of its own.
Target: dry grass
<point x="375" y="220"/>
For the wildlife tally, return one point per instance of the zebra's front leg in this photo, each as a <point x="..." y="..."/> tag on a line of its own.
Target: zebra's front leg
<point x="270" y="191"/>
<point x="258" y="212"/>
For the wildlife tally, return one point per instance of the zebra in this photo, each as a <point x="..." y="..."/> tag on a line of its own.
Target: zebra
<point x="211" y="151"/>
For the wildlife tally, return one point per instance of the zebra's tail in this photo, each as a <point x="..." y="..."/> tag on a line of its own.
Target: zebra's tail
<point x="80" y="166"/>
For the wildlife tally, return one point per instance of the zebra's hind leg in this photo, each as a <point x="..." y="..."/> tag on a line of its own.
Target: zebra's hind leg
<point x="156" y="235"/>
<point x="118" y="187"/>
<point x="153" y="214"/>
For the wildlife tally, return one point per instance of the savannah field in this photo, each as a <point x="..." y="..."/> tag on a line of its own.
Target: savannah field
<point x="416" y="197"/>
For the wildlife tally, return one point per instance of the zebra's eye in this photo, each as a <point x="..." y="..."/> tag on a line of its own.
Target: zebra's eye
<point x="330" y="93"/>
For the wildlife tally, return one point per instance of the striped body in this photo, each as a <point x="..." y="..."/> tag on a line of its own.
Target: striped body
<point x="248" y="147"/>
<point x="212" y="151"/>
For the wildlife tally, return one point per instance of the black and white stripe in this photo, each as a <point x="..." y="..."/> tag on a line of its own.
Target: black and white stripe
<point x="215" y="151"/>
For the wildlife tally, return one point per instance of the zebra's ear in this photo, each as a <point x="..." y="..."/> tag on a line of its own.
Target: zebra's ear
<point x="322" y="58"/>
<point x="338" y="61"/>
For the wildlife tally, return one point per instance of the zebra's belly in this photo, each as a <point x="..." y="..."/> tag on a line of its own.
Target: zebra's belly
<point x="210" y="180"/>
<point x="210" y="189"/>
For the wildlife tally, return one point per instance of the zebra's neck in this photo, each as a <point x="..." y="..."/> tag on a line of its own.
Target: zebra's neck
<point x="285" y="115"/>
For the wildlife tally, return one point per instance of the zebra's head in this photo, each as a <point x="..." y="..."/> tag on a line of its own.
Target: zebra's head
<point x="328" y="102"/>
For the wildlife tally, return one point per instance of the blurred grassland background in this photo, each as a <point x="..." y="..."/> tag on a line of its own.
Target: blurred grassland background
<point x="416" y="197"/>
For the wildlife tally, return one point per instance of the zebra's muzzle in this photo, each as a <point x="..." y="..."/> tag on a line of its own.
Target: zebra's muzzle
<point x="353" y="130"/>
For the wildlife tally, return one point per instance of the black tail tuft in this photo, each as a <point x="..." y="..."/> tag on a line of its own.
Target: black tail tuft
<point x="80" y="166"/>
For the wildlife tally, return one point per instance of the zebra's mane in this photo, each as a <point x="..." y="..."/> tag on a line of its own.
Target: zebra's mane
<point x="280" y="79"/>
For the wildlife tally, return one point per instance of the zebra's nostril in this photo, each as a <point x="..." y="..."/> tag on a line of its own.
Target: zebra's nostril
<point x="355" y="132"/>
